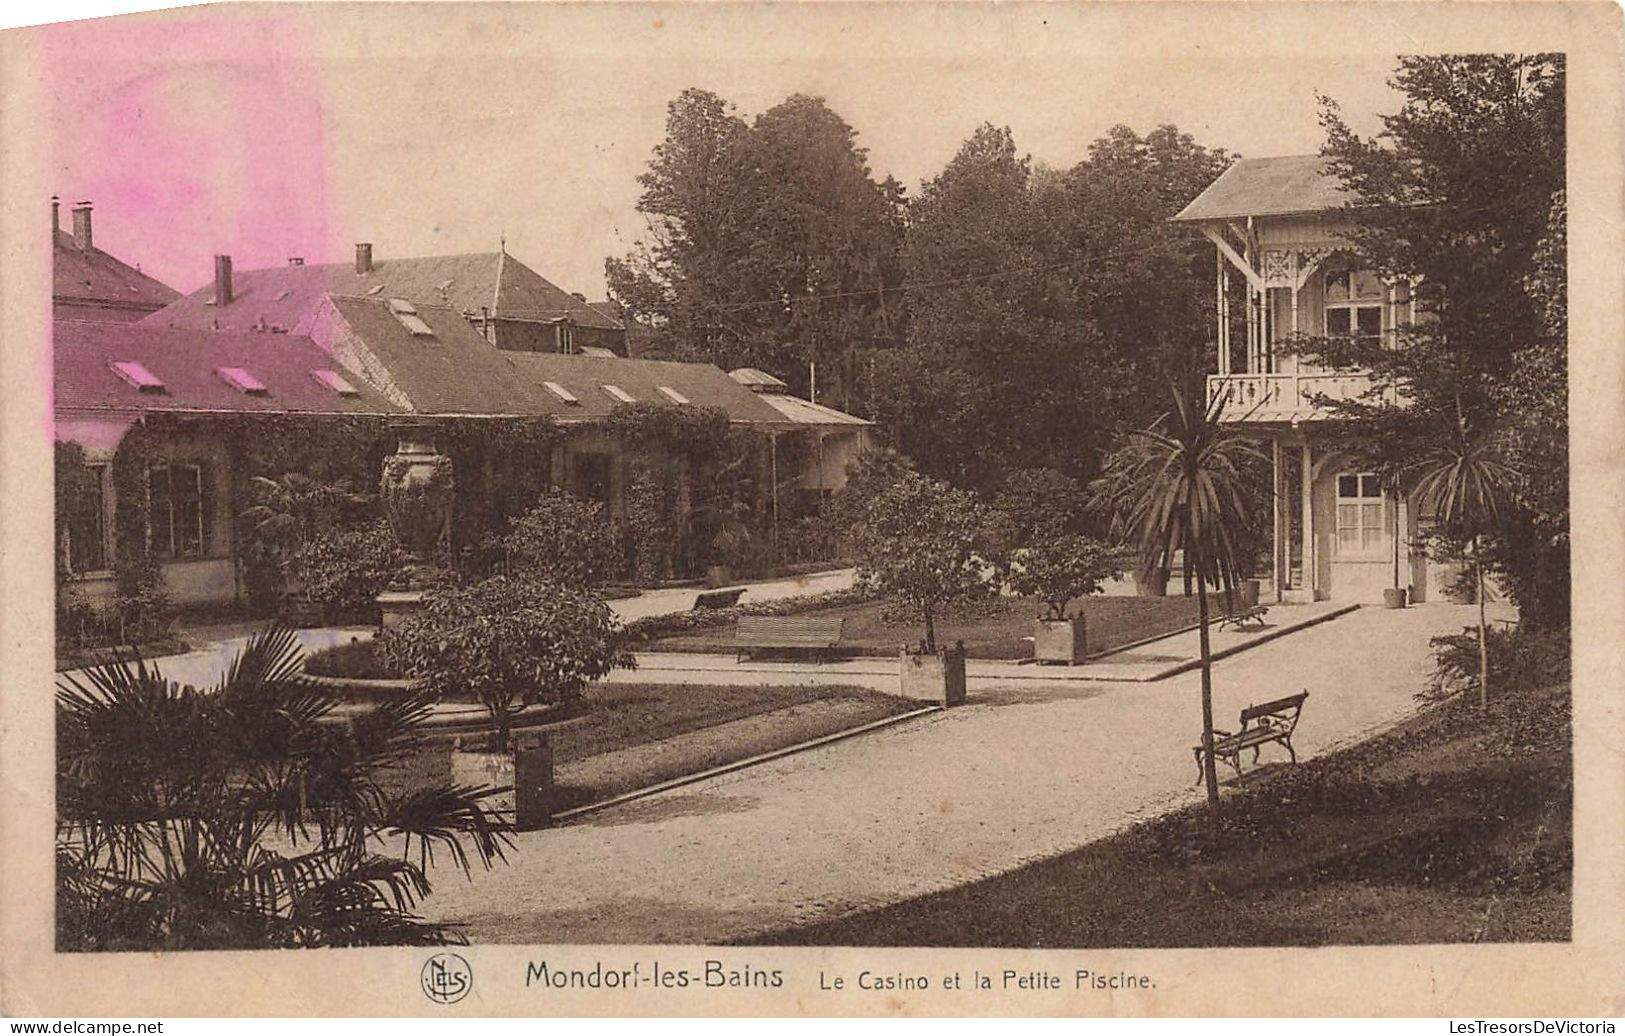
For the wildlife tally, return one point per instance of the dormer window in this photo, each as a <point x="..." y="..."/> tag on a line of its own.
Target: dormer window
<point x="563" y="393"/>
<point x="137" y="374"/>
<point x="242" y="381"/>
<point x="619" y="393"/>
<point x="407" y="314"/>
<point x="673" y="395"/>
<point x="335" y="381"/>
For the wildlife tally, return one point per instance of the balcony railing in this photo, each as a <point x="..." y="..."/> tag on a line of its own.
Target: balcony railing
<point x="1286" y="397"/>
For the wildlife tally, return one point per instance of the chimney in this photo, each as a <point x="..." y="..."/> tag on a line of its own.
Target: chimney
<point x="56" y="217"/>
<point x="222" y="280"/>
<point x="363" y="257"/>
<point x="81" y="226"/>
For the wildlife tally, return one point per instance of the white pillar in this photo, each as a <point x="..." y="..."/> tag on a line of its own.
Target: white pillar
<point x="1277" y="548"/>
<point x="1308" y="545"/>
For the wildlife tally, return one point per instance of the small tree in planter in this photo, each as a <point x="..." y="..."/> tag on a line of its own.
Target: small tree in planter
<point x="341" y="571"/>
<point x="1058" y="570"/>
<point x="508" y="643"/>
<point x="563" y="539"/>
<point x="923" y="542"/>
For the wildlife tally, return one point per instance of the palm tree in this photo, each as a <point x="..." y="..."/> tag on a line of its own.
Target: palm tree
<point x="1462" y="479"/>
<point x="1182" y="487"/>
<point x="247" y="815"/>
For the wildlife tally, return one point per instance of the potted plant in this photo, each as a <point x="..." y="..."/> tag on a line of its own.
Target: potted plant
<point x="509" y="644"/>
<point x="1058" y="570"/>
<point x="923" y="543"/>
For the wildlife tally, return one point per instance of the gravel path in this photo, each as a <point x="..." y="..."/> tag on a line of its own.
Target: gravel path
<point x="1023" y="772"/>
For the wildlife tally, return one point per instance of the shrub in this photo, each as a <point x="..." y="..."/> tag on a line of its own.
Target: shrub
<point x="925" y="543"/>
<point x="563" y="539"/>
<point x="1061" y="568"/>
<point x="508" y="643"/>
<point x="343" y="570"/>
<point x="1519" y="659"/>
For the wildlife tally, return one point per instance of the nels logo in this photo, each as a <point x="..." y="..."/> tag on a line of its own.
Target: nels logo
<point x="447" y="978"/>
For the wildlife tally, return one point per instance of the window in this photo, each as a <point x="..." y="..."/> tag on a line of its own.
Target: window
<point x="242" y="381"/>
<point x="591" y="471"/>
<point x="619" y="393"/>
<point x="563" y="393"/>
<point x="673" y="395"/>
<point x="86" y="544"/>
<point x="175" y="513"/>
<point x="335" y="381"/>
<point x="137" y="374"/>
<point x="1354" y="306"/>
<point x="567" y="339"/>
<point x="1361" y="528"/>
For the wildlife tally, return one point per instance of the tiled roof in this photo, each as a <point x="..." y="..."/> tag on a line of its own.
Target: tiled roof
<point x="188" y="364"/>
<point x="456" y="371"/>
<point x="284" y="295"/>
<point x="453" y="371"/>
<point x="584" y="377"/>
<point x="1269" y="187"/>
<point x="92" y="275"/>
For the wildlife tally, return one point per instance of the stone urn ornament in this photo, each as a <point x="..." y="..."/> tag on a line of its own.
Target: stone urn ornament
<point x="416" y="487"/>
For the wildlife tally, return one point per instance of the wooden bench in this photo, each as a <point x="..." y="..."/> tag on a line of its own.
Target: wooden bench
<point x="1249" y="618"/>
<point x="718" y="598"/>
<point x="1260" y="724"/>
<point x="818" y="633"/>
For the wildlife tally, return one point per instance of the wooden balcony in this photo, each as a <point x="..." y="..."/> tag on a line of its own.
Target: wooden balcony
<point x="1270" y="398"/>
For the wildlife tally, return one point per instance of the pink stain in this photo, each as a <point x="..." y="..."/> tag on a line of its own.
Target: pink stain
<point x="192" y="134"/>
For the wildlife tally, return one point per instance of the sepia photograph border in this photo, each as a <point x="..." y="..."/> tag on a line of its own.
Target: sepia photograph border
<point x="1582" y="978"/>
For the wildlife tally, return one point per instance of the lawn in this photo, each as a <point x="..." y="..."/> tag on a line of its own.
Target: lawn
<point x="629" y="736"/>
<point x="990" y="629"/>
<point x="1456" y="827"/>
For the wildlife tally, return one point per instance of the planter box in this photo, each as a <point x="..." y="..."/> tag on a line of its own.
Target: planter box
<point x="937" y="678"/>
<point x="1152" y="584"/>
<point x="1247" y="593"/>
<point x="395" y="606"/>
<point x="718" y="575"/>
<point x="1059" y="640"/>
<point x="1394" y="597"/>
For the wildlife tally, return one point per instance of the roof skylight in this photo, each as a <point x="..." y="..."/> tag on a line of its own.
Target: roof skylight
<point x="399" y="306"/>
<point x="137" y="374"/>
<point x="673" y="395"/>
<point x="335" y="381"/>
<point x="619" y="393"/>
<point x="598" y="351"/>
<point x="562" y="392"/>
<point x="241" y="380"/>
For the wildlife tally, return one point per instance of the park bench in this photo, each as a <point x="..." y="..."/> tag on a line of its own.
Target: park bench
<point x="818" y="633"/>
<point x="1247" y="618"/>
<point x="717" y="598"/>
<point x="1260" y="724"/>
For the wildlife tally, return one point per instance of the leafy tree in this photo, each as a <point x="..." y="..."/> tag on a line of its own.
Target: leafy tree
<point x="563" y="539"/>
<point x="508" y="643"/>
<point x="1461" y="197"/>
<point x="1025" y="285"/>
<point x="1061" y="568"/>
<point x="923" y="542"/>
<point x="1181" y="488"/>
<point x="769" y="245"/>
<point x="247" y="815"/>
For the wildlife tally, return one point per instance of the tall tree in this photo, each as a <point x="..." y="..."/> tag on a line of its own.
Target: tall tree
<point x="1460" y="197"/>
<point x="769" y="245"/>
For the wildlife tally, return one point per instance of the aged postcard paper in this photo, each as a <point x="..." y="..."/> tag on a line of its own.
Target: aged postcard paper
<point x="813" y="509"/>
